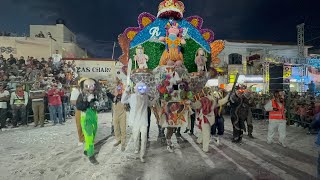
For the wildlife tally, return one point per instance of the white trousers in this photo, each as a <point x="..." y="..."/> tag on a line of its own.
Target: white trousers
<point x="204" y="137"/>
<point x="136" y="137"/>
<point x="273" y="126"/>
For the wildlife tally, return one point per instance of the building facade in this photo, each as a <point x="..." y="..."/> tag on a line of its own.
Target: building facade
<point x="248" y="58"/>
<point x="43" y="41"/>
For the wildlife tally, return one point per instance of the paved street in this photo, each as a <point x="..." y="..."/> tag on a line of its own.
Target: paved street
<point x="53" y="153"/>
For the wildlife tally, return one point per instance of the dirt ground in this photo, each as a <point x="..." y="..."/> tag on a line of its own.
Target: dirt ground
<point x="53" y="153"/>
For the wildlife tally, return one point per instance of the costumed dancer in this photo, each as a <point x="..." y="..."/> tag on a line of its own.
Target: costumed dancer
<point x="277" y="118"/>
<point x="206" y="117"/>
<point x="245" y="111"/>
<point x="87" y="104"/>
<point x="139" y="102"/>
<point x="119" y="116"/>
<point x="237" y="122"/>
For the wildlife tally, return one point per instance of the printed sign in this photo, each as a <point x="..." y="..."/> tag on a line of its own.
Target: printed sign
<point x="100" y="69"/>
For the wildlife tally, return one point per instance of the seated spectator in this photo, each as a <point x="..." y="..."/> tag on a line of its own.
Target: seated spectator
<point x="12" y="60"/>
<point x="21" y="61"/>
<point x="18" y="102"/>
<point x="4" y="98"/>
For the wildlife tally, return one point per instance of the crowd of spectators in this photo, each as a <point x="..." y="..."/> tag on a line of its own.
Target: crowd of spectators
<point x="53" y="70"/>
<point x="31" y="87"/>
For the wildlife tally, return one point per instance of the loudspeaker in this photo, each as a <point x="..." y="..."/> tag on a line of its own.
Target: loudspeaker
<point x="276" y="77"/>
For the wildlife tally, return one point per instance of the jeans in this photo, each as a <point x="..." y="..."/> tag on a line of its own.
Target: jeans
<point x="66" y="111"/>
<point x="19" y="113"/>
<point x="53" y="113"/>
<point x="219" y="124"/>
<point x="3" y="117"/>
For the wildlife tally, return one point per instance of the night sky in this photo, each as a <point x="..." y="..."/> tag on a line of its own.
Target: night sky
<point x="98" y="22"/>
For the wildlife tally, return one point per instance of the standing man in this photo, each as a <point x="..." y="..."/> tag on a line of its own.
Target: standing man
<point x="119" y="117"/>
<point x="19" y="102"/>
<point x="4" y="98"/>
<point x="56" y="60"/>
<point x="73" y="99"/>
<point x="277" y="118"/>
<point x="55" y="104"/>
<point x="37" y="96"/>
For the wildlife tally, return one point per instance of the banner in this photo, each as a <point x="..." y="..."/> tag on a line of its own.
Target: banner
<point x="99" y="69"/>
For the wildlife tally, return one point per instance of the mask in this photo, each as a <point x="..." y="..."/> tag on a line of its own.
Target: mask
<point x="89" y="85"/>
<point x="141" y="88"/>
<point x="172" y="36"/>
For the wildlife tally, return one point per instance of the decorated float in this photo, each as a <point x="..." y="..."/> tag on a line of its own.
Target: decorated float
<point x="173" y="55"/>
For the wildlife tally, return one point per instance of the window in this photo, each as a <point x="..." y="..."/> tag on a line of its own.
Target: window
<point x="235" y="58"/>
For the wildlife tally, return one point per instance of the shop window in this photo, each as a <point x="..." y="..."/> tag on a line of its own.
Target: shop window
<point x="235" y="58"/>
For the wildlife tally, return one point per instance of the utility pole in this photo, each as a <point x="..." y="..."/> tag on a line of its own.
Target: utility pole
<point x="300" y="40"/>
<point x="114" y="46"/>
<point x="301" y="57"/>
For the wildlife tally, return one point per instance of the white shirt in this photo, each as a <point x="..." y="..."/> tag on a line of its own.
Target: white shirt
<point x="56" y="58"/>
<point x="14" y="97"/>
<point x="74" y="94"/>
<point x="138" y="112"/>
<point x="3" y="105"/>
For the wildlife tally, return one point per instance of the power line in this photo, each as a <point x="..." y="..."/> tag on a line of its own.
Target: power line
<point x="313" y="39"/>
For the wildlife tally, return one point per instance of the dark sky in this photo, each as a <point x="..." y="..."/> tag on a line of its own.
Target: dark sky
<point x="98" y="22"/>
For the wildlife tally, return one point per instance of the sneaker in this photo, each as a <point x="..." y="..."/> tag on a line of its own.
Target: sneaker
<point x="117" y="144"/>
<point x="269" y="142"/>
<point x="170" y="149"/>
<point x="93" y="160"/>
<point x="142" y="160"/>
<point x="250" y="136"/>
<point x="236" y="140"/>
<point x="42" y="125"/>
<point x="85" y="153"/>
<point x="217" y="140"/>
<point x="282" y="144"/>
<point x="61" y="123"/>
<point x="123" y="148"/>
<point x="36" y="125"/>
<point x="54" y="124"/>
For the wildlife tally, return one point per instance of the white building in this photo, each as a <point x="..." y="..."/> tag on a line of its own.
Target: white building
<point x="61" y="39"/>
<point x="247" y="57"/>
